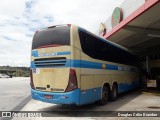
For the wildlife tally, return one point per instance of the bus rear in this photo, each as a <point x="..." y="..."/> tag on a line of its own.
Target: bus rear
<point x="52" y="78"/>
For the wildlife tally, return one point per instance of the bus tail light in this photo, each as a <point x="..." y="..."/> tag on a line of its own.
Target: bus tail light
<point x="31" y="80"/>
<point x="72" y="83"/>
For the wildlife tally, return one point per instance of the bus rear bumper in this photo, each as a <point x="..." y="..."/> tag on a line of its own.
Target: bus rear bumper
<point x="57" y="98"/>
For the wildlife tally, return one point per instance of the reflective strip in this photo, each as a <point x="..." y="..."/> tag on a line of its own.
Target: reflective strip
<point x="35" y="53"/>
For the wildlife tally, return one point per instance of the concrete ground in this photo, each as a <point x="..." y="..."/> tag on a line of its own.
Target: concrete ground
<point x="14" y="92"/>
<point x="14" y="96"/>
<point x="131" y="101"/>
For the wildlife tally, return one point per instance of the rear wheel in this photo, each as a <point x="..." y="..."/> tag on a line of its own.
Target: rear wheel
<point x="105" y="95"/>
<point x="114" y="92"/>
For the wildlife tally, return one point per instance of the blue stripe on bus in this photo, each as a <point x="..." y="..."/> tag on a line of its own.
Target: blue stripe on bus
<point x="64" y="53"/>
<point x="79" y="64"/>
<point x="35" y="53"/>
<point x="89" y="64"/>
<point x="123" y="87"/>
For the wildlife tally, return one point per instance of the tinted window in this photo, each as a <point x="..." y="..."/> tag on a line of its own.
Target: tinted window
<point x="102" y="50"/>
<point x="56" y="35"/>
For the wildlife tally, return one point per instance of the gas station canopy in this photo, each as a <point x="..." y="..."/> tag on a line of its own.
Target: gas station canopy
<point x="139" y="31"/>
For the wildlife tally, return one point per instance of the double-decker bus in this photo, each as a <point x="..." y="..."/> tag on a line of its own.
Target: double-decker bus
<point x="70" y="65"/>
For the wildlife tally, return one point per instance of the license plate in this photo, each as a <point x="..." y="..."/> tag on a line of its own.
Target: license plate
<point x="48" y="96"/>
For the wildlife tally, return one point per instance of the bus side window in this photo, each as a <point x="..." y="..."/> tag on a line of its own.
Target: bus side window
<point x="87" y="44"/>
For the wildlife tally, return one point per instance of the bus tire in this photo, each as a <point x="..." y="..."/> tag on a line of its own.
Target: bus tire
<point x="114" y="92"/>
<point x="105" y="95"/>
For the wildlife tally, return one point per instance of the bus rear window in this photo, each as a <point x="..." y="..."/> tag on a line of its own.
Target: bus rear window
<point x="51" y="36"/>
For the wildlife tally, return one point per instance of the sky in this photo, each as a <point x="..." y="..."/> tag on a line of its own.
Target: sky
<point x="19" y="19"/>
